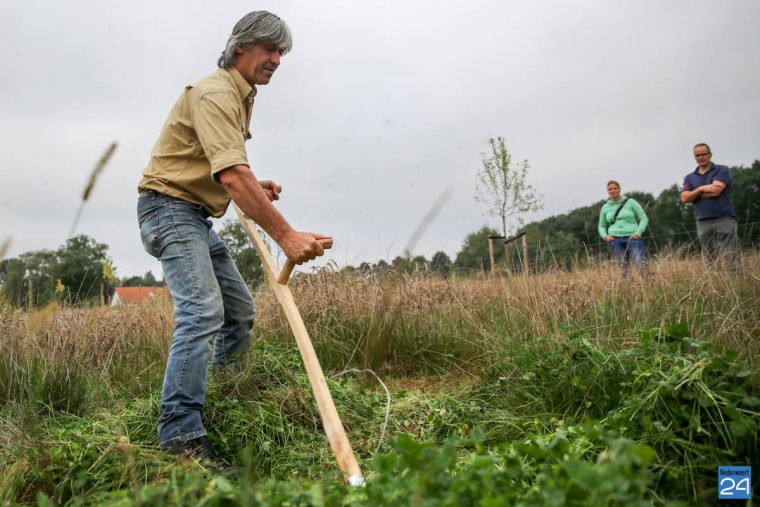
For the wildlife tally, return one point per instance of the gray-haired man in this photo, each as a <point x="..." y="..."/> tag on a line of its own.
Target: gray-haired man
<point x="197" y="165"/>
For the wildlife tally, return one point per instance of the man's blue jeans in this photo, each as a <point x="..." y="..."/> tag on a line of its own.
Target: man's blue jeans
<point x="212" y="306"/>
<point x="628" y="250"/>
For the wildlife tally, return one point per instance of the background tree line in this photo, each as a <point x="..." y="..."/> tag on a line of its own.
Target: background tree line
<point x="78" y="272"/>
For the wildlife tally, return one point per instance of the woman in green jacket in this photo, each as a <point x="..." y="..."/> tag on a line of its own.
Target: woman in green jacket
<point x="622" y="221"/>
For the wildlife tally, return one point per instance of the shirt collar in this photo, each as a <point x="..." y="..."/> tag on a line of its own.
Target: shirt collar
<point x="241" y="84"/>
<point x="712" y="166"/>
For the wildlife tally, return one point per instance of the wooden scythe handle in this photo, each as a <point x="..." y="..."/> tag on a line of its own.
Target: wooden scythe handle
<point x="287" y="269"/>
<point x="336" y="434"/>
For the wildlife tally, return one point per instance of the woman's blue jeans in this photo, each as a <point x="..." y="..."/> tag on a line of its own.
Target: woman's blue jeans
<point x="628" y="250"/>
<point x="212" y="306"/>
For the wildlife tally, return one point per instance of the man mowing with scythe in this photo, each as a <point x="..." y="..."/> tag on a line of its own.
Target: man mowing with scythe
<point x="197" y="165"/>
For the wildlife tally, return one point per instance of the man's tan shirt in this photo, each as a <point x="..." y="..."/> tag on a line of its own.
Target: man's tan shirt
<point x="204" y="134"/>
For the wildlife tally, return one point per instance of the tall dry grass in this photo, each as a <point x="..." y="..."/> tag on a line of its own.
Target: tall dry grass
<point x="63" y="358"/>
<point x="412" y="324"/>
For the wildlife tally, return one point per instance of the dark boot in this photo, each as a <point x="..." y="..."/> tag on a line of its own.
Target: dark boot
<point x="200" y="450"/>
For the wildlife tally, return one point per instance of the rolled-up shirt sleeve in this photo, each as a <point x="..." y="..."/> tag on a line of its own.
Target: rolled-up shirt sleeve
<point x="217" y="120"/>
<point x="723" y="175"/>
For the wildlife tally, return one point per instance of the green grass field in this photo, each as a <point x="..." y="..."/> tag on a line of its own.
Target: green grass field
<point x="566" y="388"/>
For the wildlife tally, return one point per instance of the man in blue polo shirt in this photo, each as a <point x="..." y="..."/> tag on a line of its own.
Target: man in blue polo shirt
<point x="709" y="188"/>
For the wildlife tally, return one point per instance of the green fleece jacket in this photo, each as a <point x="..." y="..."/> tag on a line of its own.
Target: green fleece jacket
<point x="631" y="219"/>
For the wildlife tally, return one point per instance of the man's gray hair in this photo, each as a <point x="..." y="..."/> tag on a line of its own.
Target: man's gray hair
<point x="256" y="26"/>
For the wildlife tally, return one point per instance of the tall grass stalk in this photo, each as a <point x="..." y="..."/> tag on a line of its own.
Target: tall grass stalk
<point x="90" y="185"/>
<point x="4" y="247"/>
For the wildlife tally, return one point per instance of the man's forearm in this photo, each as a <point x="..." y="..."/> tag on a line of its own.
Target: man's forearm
<point x="690" y="195"/>
<point x="713" y="190"/>
<point x="245" y="191"/>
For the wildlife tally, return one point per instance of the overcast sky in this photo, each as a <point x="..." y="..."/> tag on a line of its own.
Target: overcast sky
<point x="381" y="107"/>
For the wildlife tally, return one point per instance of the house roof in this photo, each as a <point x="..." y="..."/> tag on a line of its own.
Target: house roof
<point x="139" y="294"/>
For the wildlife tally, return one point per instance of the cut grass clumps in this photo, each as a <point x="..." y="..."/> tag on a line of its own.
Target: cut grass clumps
<point x="80" y="458"/>
<point x="576" y="425"/>
<point x="697" y="408"/>
<point x="573" y="466"/>
<point x="263" y="406"/>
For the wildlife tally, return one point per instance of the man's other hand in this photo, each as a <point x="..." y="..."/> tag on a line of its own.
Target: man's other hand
<point x="271" y="189"/>
<point x="300" y="247"/>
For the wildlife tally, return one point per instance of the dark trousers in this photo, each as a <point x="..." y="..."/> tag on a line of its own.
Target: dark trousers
<point x="719" y="240"/>
<point x="626" y="251"/>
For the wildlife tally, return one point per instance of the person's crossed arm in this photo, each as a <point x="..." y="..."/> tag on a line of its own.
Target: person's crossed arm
<point x="709" y="191"/>
<point x="713" y="190"/>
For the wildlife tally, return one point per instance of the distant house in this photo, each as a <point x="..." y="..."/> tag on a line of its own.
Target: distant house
<point x="134" y="295"/>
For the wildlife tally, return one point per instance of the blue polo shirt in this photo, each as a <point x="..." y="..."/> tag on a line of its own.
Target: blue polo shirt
<point x="708" y="208"/>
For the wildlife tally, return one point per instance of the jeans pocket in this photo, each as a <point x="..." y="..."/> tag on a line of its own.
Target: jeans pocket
<point x="147" y="208"/>
<point x="150" y="237"/>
